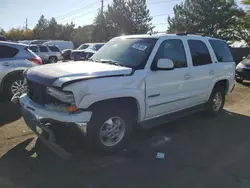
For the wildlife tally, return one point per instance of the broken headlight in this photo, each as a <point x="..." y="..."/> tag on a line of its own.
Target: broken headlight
<point x="64" y="96"/>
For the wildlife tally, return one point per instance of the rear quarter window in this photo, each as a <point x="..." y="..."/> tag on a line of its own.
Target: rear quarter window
<point x="8" y="52"/>
<point x="222" y="51"/>
<point x="54" y="49"/>
<point x="43" y="49"/>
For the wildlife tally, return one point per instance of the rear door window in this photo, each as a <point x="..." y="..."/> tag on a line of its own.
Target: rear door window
<point x="221" y="51"/>
<point x="54" y="49"/>
<point x="43" y="49"/>
<point x="199" y="52"/>
<point x="7" y="51"/>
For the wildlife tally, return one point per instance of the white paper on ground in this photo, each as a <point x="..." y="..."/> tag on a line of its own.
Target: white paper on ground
<point x="160" y="155"/>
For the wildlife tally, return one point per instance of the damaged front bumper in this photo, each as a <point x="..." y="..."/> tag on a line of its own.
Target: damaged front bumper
<point x="37" y="116"/>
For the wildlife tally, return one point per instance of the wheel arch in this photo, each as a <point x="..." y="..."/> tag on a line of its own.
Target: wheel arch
<point x="223" y="83"/>
<point x="53" y="56"/>
<point x="130" y="101"/>
<point x="9" y="75"/>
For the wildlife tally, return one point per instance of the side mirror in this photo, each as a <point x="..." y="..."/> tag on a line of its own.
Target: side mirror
<point x="244" y="57"/>
<point x="165" y="64"/>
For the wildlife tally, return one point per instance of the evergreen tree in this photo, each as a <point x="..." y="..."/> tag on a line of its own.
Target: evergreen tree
<point x="210" y="17"/>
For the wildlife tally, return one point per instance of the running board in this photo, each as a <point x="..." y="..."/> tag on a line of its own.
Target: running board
<point x="171" y="117"/>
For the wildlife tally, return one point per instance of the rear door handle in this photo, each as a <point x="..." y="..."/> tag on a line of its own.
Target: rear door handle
<point x="212" y="72"/>
<point x="6" y="64"/>
<point x="187" y="76"/>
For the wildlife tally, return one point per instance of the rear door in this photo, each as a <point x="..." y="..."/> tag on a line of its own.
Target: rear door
<point x="225" y="63"/>
<point x="202" y="70"/>
<point x="6" y="59"/>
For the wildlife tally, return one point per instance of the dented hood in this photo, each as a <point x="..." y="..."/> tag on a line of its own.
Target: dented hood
<point x="61" y="73"/>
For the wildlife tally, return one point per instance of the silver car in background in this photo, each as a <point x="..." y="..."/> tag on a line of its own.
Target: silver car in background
<point x="14" y="59"/>
<point x="49" y="54"/>
<point x="84" y="54"/>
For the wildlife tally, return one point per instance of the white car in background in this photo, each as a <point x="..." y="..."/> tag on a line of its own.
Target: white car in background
<point x="61" y="44"/>
<point x="49" y="54"/>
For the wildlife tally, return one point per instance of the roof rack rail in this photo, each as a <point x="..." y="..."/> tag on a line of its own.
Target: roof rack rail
<point x="187" y="33"/>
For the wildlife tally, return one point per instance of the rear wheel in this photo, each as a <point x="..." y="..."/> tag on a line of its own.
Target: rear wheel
<point x="109" y="129"/>
<point x="52" y="60"/>
<point x="13" y="84"/>
<point x="216" y="101"/>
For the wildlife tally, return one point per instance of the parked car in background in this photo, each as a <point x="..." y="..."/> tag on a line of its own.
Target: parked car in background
<point x="14" y="59"/>
<point x="29" y="42"/>
<point x="243" y="70"/>
<point x="2" y="38"/>
<point x="66" y="54"/>
<point x="49" y="54"/>
<point x="83" y="46"/>
<point x="140" y="80"/>
<point x="61" y="44"/>
<point x="86" y="53"/>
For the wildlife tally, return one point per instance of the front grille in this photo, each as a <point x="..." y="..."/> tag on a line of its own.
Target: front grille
<point x="37" y="93"/>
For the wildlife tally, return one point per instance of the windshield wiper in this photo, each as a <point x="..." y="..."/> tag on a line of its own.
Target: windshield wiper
<point x="111" y="62"/>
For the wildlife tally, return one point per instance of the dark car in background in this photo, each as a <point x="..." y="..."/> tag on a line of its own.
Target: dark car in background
<point x="243" y="70"/>
<point x="66" y="54"/>
<point x="86" y="53"/>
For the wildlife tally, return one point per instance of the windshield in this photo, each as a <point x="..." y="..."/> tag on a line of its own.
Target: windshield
<point x="83" y="46"/>
<point x="130" y="52"/>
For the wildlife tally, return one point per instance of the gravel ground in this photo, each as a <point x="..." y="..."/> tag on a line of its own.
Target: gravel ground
<point x="199" y="152"/>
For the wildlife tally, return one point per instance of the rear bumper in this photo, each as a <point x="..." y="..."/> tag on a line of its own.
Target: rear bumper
<point x="38" y="118"/>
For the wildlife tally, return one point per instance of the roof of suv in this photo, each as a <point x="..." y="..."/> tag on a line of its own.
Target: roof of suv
<point x="159" y="35"/>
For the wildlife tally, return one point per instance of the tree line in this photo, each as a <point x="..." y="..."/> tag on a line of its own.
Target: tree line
<point x="218" y="18"/>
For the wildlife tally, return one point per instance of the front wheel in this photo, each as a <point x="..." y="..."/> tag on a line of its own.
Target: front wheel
<point x="12" y="85"/>
<point x="216" y="101"/>
<point x="109" y="129"/>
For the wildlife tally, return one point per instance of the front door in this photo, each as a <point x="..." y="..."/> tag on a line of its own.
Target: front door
<point x="166" y="90"/>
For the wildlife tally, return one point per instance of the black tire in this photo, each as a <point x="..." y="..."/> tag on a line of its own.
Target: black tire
<point x="210" y="108"/>
<point x="100" y="116"/>
<point x="8" y="83"/>
<point x="53" y="59"/>
<point x="239" y="80"/>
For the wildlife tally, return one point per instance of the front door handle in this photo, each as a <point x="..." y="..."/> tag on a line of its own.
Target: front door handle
<point x="6" y="64"/>
<point x="187" y="76"/>
<point x="212" y="72"/>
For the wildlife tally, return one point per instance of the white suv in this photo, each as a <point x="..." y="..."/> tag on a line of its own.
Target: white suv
<point x="141" y="80"/>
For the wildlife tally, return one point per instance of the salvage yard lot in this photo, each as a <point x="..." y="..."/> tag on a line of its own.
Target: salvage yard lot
<point x="199" y="152"/>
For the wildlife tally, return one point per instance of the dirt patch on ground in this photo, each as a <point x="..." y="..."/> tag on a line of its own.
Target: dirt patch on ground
<point x="199" y="152"/>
